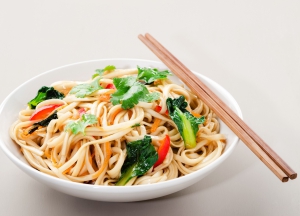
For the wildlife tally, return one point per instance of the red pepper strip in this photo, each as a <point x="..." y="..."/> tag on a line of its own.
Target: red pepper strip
<point x="167" y="112"/>
<point x="110" y="86"/>
<point x="81" y="111"/>
<point x="43" y="112"/>
<point x="162" y="150"/>
<point x="158" y="109"/>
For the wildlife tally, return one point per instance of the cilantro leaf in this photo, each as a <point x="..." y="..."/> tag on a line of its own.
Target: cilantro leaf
<point x="99" y="72"/>
<point x="109" y="68"/>
<point x="79" y="126"/>
<point x="85" y="89"/>
<point x="150" y="97"/>
<point x="149" y="75"/>
<point x="130" y="92"/>
<point x="45" y="93"/>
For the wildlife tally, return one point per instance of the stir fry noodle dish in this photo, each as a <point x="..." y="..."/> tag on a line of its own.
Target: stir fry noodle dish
<point x="119" y="127"/>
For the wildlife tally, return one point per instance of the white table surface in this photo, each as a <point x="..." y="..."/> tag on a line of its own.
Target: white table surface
<point x="252" y="48"/>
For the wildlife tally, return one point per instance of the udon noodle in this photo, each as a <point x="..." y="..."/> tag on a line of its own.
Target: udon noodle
<point x="97" y="155"/>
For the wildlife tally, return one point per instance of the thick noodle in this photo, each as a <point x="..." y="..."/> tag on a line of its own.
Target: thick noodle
<point x="96" y="157"/>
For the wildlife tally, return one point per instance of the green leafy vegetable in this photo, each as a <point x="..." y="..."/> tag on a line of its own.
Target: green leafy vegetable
<point x="130" y="92"/>
<point x="85" y="89"/>
<point x="136" y="125"/>
<point x="99" y="72"/>
<point x="42" y="123"/>
<point x="149" y="75"/>
<point x="79" y="126"/>
<point x="45" y="93"/>
<point x="187" y="124"/>
<point x="141" y="156"/>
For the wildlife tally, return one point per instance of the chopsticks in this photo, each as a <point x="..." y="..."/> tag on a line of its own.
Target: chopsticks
<point x="230" y="118"/>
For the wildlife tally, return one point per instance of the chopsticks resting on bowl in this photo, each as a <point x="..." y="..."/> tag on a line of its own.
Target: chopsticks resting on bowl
<point x="230" y="118"/>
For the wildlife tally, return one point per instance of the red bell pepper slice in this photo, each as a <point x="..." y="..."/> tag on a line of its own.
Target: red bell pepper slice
<point x="167" y="112"/>
<point x="162" y="150"/>
<point x="81" y="111"/>
<point x="43" y="112"/>
<point x="158" y="109"/>
<point x="110" y="86"/>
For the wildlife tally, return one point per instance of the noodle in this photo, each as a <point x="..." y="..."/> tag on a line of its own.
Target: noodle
<point x="97" y="155"/>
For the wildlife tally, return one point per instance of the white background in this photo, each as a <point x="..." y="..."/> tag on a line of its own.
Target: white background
<point x="252" y="48"/>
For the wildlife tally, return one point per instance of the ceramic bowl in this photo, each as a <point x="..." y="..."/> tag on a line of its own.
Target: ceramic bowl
<point x="18" y="99"/>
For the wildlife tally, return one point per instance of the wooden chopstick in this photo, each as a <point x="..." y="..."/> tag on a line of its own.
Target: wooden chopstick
<point x="287" y="170"/>
<point x="251" y="139"/>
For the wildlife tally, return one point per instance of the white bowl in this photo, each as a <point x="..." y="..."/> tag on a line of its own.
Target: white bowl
<point x="18" y="99"/>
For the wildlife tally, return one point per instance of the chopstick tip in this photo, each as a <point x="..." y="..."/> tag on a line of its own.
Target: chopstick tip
<point x="293" y="176"/>
<point x="141" y="37"/>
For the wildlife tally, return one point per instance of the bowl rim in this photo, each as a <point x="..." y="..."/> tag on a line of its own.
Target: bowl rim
<point x="112" y="189"/>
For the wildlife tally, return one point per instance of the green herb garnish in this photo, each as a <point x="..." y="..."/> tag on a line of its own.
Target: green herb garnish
<point x="149" y="75"/>
<point x="136" y="125"/>
<point x="79" y="126"/>
<point x="99" y="72"/>
<point x="85" y="89"/>
<point x="130" y="92"/>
